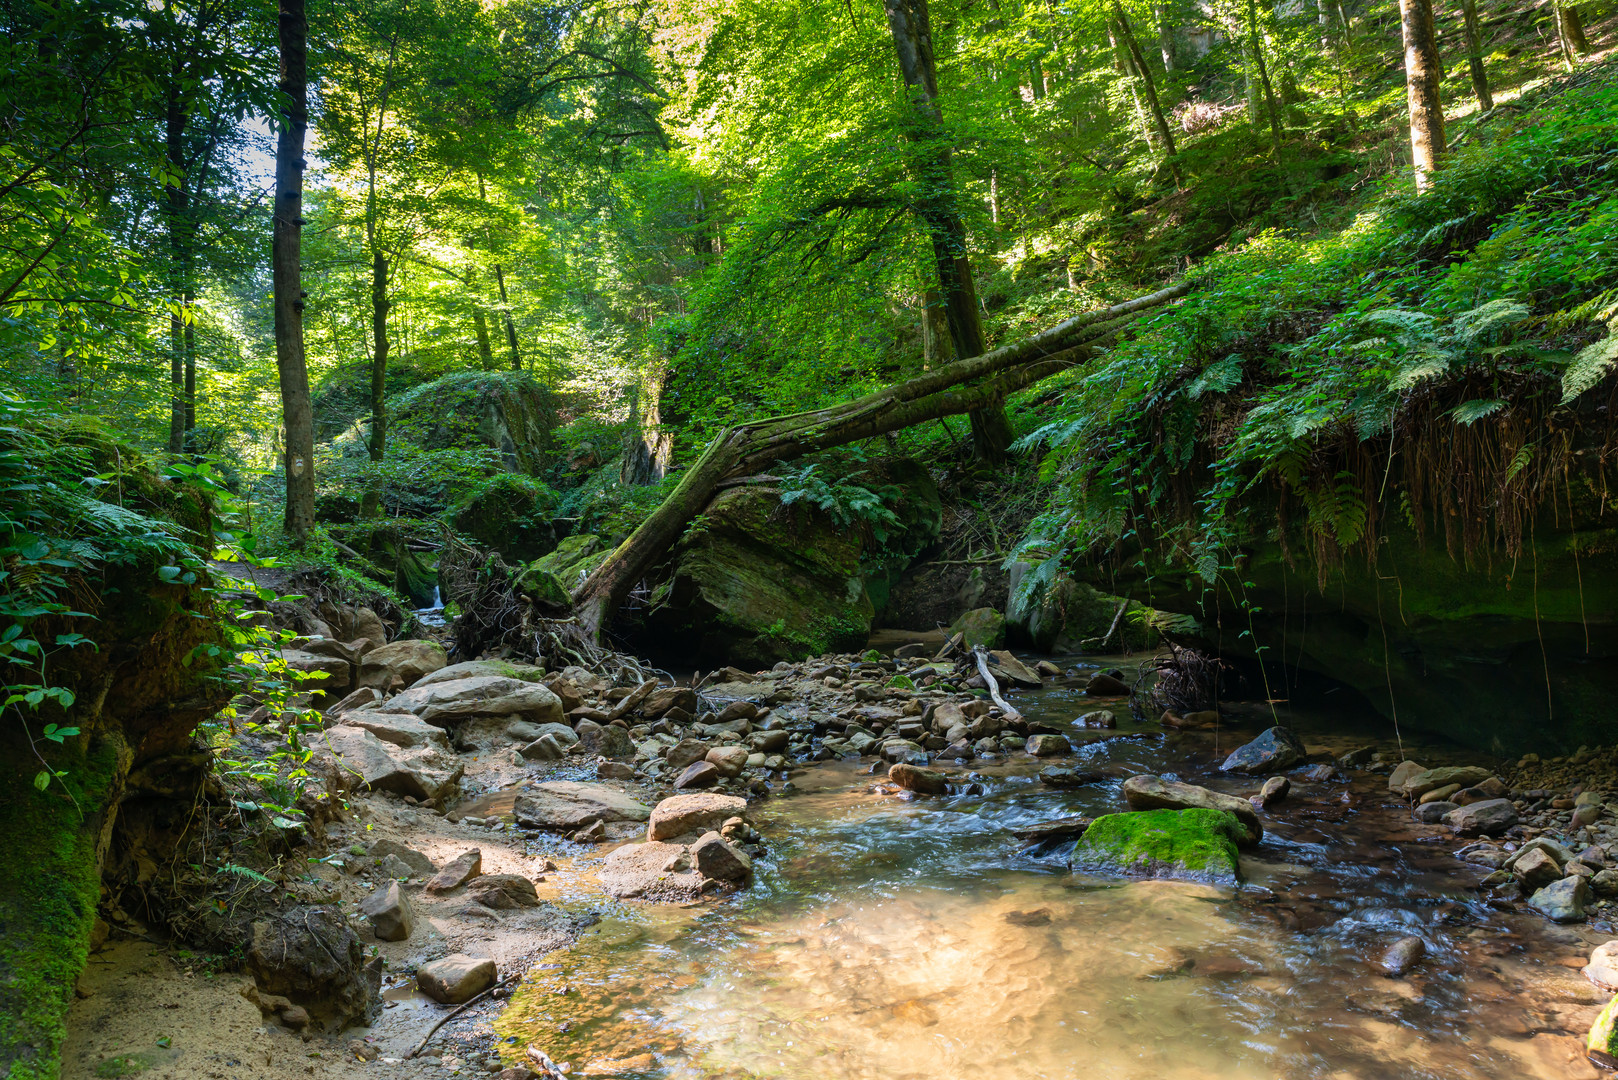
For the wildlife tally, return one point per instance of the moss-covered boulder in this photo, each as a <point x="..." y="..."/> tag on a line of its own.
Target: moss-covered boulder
<point x="1194" y="845"/>
<point x="573" y="559"/>
<point x="508" y="411"/>
<point x="753" y="583"/>
<point x="511" y="513"/>
<point x="544" y="588"/>
<point x="1602" y="1043"/>
<point x="1048" y="611"/>
<point x="981" y="626"/>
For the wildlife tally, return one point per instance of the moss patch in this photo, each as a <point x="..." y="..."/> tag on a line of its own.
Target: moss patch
<point x="1198" y="845"/>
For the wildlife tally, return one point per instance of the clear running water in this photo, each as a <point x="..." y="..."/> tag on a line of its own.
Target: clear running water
<point x="888" y="938"/>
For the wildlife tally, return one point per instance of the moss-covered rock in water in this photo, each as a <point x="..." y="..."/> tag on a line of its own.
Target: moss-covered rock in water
<point x="512" y="514"/>
<point x="543" y="588"/>
<point x="1053" y="612"/>
<point x="1602" y="1044"/>
<point x="754" y="583"/>
<point x="981" y="626"/>
<point x="573" y="559"/>
<point x="1196" y="845"/>
<point x="506" y="410"/>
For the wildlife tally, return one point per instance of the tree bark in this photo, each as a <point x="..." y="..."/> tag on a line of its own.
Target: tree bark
<point x="188" y="441"/>
<point x="1323" y="17"/>
<point x="1474" y="56"/>
<point x="752" y="447"/>
<point x="481" y="325"/>
<point x="299" y="453"/>
<point x="378" y="442"/>
<point x="912" y="41"/>
<point x="1124" y="63"/>
<point x="1158" y="119"/>
<point x="175" y="210"/>
<point x="934" y="331"/>
<point x="1570" y="33"/>
<point x="1165" y="38"/>
<point x="1256" y="54"/>
<point x="511" y="327"/>
<point x="1422" y="75"/>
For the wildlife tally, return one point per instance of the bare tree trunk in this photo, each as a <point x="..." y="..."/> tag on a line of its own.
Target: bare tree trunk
<point x="1145" y="74"/>
<point x="1570" y="33"/>
<point x="378" y="442"/>
<point x="1422" y="75"/>
<point x="1474" y="56"/>
<point x="175" y="208"/>
<point x="299" y="456"/>
<point x="188" y="441"/>
<point x="511" y="327"/>
<point x="1122" y="61"/>
<point x="1256" y="53"/>
<point x="749" y="448"/>
<point x="1323" y="17"/>
<point x="1165" y="37"/>
<point x="481" y="325"/>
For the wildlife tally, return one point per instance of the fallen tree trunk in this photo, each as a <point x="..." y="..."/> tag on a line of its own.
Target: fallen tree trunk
<point x="750" y="448"/>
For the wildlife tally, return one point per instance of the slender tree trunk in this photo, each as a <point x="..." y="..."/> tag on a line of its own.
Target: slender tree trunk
<point x="1422" y="75"/>
<point x="511" y="327"/>
<point x="1323" y="17"/>
<point x="1570" y="33"/>
<point x="1342" y="19"/>
<point x="174" y="202"/>
<point x="378" y="443"/>
<point x="481" y="325"/>
<point x="1145" y="73"/>
<point x="1123" y="62"/>
<point x="912" y="40"/>
<point x="1256" y="52"/>
<point x="1474" y="56"/>
<point x="299" y="455"/>
<point x="952" y="389"/>
<point x="188" y="442"/>
<point x="1165" y="37"/>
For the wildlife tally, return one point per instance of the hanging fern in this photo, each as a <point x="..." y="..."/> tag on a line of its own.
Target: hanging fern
<point x="1589" y="367"/>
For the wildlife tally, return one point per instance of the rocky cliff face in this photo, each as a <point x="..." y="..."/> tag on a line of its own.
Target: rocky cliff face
<point x="506" y="410"/>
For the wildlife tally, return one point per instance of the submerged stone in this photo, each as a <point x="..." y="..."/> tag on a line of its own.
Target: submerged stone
<point x="1195" y="845"/>
<point x="1276" y="750"/>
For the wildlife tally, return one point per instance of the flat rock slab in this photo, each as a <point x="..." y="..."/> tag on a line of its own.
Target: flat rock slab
<point x="456" y="978"/>
<point x="400" y="729"/>
<point x="565" y="805"/>
<point x="401" y="663"/>
<point x="1155" y="793"/>
<point x="455" y="700"/>
<point x="692" y="813"/>
<point x="358" y="759"/>
<point x="650" y="871"/>
<point x="1274" y="751"/>
<point x="473" y="669"/>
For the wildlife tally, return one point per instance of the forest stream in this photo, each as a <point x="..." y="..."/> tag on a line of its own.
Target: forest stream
<point x="890" y="937"/>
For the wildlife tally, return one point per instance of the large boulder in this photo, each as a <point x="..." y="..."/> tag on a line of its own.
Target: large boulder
<point x="311" y="956"/>
<point x="1042" y="609"/>
<point x="565" y="805"/>
<point x="472" y="669"/>
<point x="1196" y="845"/>
<point x="511" y="513"/>
<point x="573" y="559"/>
<point x="352" y="757"/>
<point x="980" y="626"/>
<point x="400" y="663"/>
<point x="325" y="678"/>
<point x="455" y="978"/>
<point x="508" y="411"/>
<point x="1462" y="776"/>
<point x="398" y="728"/>
<point x="1277" y="750"/>
<point x="650" y="871"/>
<point x="1491" y="817"/>
<point x="484" y="696"/>
<point x="759" y="583"/>
<point x="1155" y="793"/>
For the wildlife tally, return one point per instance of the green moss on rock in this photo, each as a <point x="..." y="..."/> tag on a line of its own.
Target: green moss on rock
<point x="1602" y="1044"/>
<point x="574" y="558"/>
<point x="1197" y="845"/>
<point x="512" y="514"/>
<point x="981" y="626"/>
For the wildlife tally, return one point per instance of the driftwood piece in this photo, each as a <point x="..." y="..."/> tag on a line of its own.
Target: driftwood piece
<point x="989" y="680"/>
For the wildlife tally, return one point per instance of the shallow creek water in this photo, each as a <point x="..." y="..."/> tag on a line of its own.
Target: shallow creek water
<point x="894" y="938"/>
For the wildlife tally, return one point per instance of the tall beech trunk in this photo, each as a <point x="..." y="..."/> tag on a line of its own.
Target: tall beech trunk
<point x="1570" y="33"/>
<point x="480" y="324"/>
<point x="511" y="327"/>
<point x="1144" y="73"/>
<point x="287" y="275"/>
<point x="176" y="211"/>
<point x="1255" y="52"/>
<point x="1123" y="62"/>
<point x="965" y="386"/>
<point x="378" y="442"/>
<point x="1165" y="38"/>
<point x="913" y="43"/>
<point x="1422" y="75"/>
<point x="1474" y="56"/>
<point x="188" y="440"/>
<point x="1323" y="17"/>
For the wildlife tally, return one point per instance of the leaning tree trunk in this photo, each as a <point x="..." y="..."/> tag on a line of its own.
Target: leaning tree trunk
<point x="299" y="454"/>
<point x="1474" y="55"/>
<point x="1158" y="119"/>
<point x="913" y="42"/>
<point x="961" y="387"/>
<point x="1422" y="75"/>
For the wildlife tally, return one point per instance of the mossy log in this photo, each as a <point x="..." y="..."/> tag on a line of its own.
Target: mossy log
<point x="749" y="448"/>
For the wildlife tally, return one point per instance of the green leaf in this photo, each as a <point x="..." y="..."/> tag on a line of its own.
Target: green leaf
<point x="42" y="780"/>
<point x="1469" y="412"/>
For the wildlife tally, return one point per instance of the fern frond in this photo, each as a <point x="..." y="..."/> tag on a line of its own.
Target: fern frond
<point x="1470" y="412"/>
<point x="1589" y="367"/>
<point x="1470" y="327"/>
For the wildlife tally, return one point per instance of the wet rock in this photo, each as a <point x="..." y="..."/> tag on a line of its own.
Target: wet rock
<point x="770" y="742"/>
<point x="1050" y="831"/>
<point x="1103" y="685"/>
<point x="980" y="626"/>
<point x="1403" y="955"/>
<point x="1275" y="789"/>
<point x="419" y="864"/>
<point x="400" y="729"/>
<point x="701" y="774"/>
<point x="1602" y="1042"/>
<point x="1536" y="869"/>
<point x="504" y="891"/>
<point x="1356" y="759"/>
<point x="1562" y="901"/>
<point x="1488" y="818"/>
<point x="615" y="770"/>
<point x="545" y="748"/>
<point x="1275" y="750"/>
<point x="686" y="752"/>
<point x="903" y="750"/>
<point x="1492" y="788"/>
<point x="400" y="664"/>
<point x="1048" y="745"/>
<point x="457" y="872"/>
<point x="566" y="805"/>
<point x="715" y="857"/>
<point x="1603" y="967"/>
<point x="680" y="815"/>
<point x="1401" y="775"/>
<point x="1459" y="775"/>
<point x="1605" y="884"/>
<point x="729" y="760"/>
<point x="1197" y="845"/>
<point x="1433" y="813"/>
<point x="1100" y="718"/>
<point x="922" y="781"/>
<point x="1320" y="774"/>
<point x="1057" y="777"/>
<point x="310" y="955"/>
<point x="653" y="870"/>
<point x="352" y="757"/>
<point x="1440" y="794"/>
<point x="593" y="833"/>
<point x="1153" y="793"/>
<point x="456" y="700"/>
<point x="1008" y="669"/>
<point x="389" y="913"/>
<point x="456" y="978"/>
